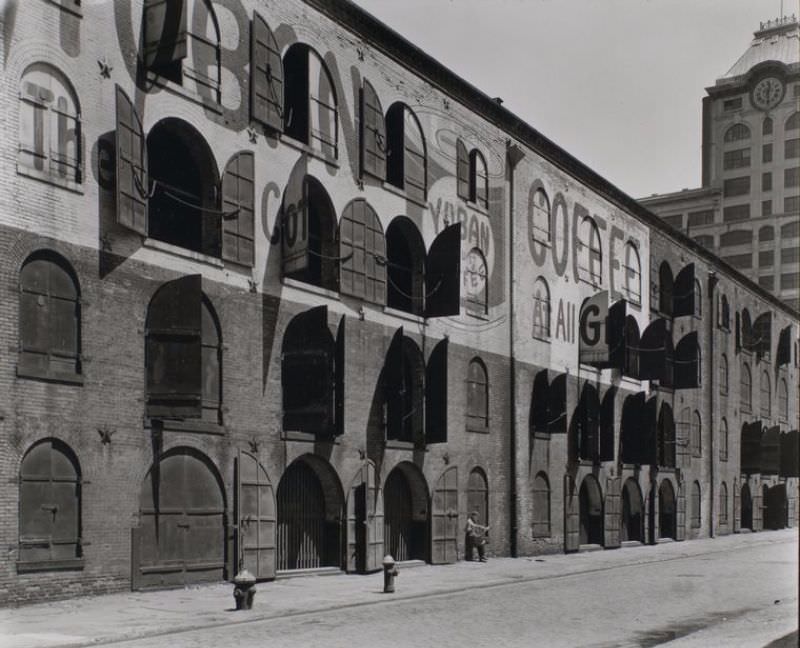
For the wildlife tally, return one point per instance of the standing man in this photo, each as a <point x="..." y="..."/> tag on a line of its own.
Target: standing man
<point x="475" y="537"/>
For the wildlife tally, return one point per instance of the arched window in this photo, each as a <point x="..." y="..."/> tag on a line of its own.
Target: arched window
<point x="540" y="206"/>
<point x="724" y="313"/>
<point x="541" y="507"/>
<point x="310" y="105"/>
<point x="405" y="272"/>
<point x="665" y="285"/>
<point x="766" y="126"/>
<point x="766" y="233"/>
<point x="541" y="309"/>
<point x="362" y="253"/>
<point x="477" y="396"/>
<point x="766" y="395"/>
<point x="698" y="299"/>
<point x="478" y="495"/>
<point x="793" y="122"/>
<point x="404" y="385"/>
<point x="723" y="503"/>
<point x="783" y="400"/>
<point x="406" y="158"/>
<point x="49" y="319"/>
<point x="746" y="387"/>
<point x="696" y="439"/>
<point x="183" y="354"/>
<point x="590" y="253"/>
<point x="633" y="274"/>
<point x="723" y="439"/>
<point x="736" y="133"/>
<point x="479" y="179"/>
<point x="183" y="45"/>
<point x="475" y="283"/>
<point x="49" y="508"/>
<point x="695" y="505"/>
<point x="723" y="374"/>
<point x="49" y="126"/>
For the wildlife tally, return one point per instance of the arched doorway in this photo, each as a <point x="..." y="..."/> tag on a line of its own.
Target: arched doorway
<point x="310" y="506"/>
<point x="775" y="507"/>
<point x="747" y="508"/>
<point x="666" y="510"/>
<point x="591" y="511"/>
<point x="181" y="536"/>
<point x="632" y="512"/>
<point x="405" y="504"/>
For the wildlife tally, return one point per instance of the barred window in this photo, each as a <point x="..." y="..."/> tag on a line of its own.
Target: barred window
<point x="695" y="505"/>
<point x="746" y="387"/>
<point x="766" y="395"/>
<point x="477" y="396"/>
<point x="590" y="253"/>
<point x="783" y="400"/>
<point x="723" y="503"/>
<point x="541" y="507"/>
<point x="541" y="309"/>
<point x="723" y="374"/>
<point x="704" y="217"/>
<point x="723" y="439"/>
<point x="695" y="438"/>
<point x="736" y="133"/>
<point x="541" y="217"/>
<point x="633" y="274"/>
<point x="738" y="159"/>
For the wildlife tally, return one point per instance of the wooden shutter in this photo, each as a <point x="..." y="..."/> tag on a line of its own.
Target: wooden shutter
<point x="436" y="395"/>
<point x="131" y="169"/>
<point x="174" y="350"/>
<point x="362" y="250"/>
<point x="649" y="447"/>
<point x="632" y="425"/>
<point x="557" y="405"/>
<point x="307" y="373"/>
<point x="164" y="32"/>
<point x="612" y="521"/>
<point x="444" y="518"/>
<point x="443" y="274"/>
<point x="373" y="133"/>
<point x="682" y="435"/>
<point x="783" y="353"/>
<point x="462" y="170"/>
<point x="588" y="424"/>
<point x="255" y="506"/>
<point x="393" y="384"/>
<point x="737" y="506"/>
<point x="738" y="336"/>
<point x="687" y="360"/>
<point x="750" y="448"/>
<point x="266" y="76"/>
<point x="683" y="296"/>
<point x="680" y="516"/>
<point x="607" y="426"/>
<point x="615" y="334"/>
<point x="356" y="525"/>
<point x="758" y="511"/>
<point x="294" y="221"/>
<point x="572" y="537"/>
<point x="652" y="354"/>
<point x="238" y="209"/>
<point x="762" y="334"/>
<point x="770" y="462"/>
<point x="414" y="160"/>
<point x="791" y="505"/>
<point x="340" y="380"/>
<point x="790" y="454"/>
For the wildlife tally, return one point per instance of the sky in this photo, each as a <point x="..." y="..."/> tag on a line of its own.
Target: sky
<point x="617" y="83"/>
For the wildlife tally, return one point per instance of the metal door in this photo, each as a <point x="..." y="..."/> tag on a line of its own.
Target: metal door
<point x="571" y="516"/>
<point x="255" y="515"/>
<point x="612" y="513"/>
<point x="444" y="518"/>
<point x="302" y="529"/>
<point x="181" y="538"/>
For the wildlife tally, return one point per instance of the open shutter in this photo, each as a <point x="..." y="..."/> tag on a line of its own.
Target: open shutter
<point x="557" y="405"/>
<point x="393" y="383"/>
<point x="362" y="250"/>
<point x="266" y="76"/>
<point x="790" y="454"/>
<point x="340" y="381"/>
<point x="373" y="133"/>
<point x="174" y="350"/>
<point x="738" y="332"/>
<point x="615" y="334"/>
<point x="632" y="426"/>
<point x="436" y="395"/>
<point x="294" y="221"/>
<point x="762" y="334"/>
<point x="132" y="178"/>
<point x="783" y="353"/>
<point x="652" y="355"/>
<point x="680" y="516"/>
<point x="443" y="274"/>
<point x="607" y="426"/>
<point x="747" y="331"/>
<point x="238" y="209"/>
<point x="164" y="32"/>
<point x="611" y="522"/>
<point x="374" y="518"/>
<point x="649" y="447"/>
<point x="307" y="373"/>
<point x="750" y="448"/>
<point x="356" y="525"/>
<point x="572" y="537"/>
<point x="462" y="170"/>
<point x="683" y="292"/>
<point x="758" y="511"/>
<point x="444" y="518"/>
<point x="687" y="374"/>
<point x="255" y="506"/>
<point x="770" y="462"/>
<point x="737" y="507"/>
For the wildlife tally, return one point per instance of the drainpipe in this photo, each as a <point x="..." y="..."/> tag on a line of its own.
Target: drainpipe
<point x="712" y="283"/>
<point x="513" y="156"/>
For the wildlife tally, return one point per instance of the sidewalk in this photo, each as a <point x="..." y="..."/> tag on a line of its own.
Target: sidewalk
<point x="115" y="617"/>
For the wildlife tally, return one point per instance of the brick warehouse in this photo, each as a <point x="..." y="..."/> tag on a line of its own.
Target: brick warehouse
<point x="281" y="292"/>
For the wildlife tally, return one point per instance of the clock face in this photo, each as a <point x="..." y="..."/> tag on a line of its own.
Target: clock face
<point x="767" y="93"/>
<point x="475" y="273"/>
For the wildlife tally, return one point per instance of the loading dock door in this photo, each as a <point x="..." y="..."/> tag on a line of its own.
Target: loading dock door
<point x="255" y="515"/>
<point x="444" y="518"/>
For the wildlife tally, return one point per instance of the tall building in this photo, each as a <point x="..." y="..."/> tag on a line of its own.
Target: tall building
<point x="748" y="208"/>
<point x="280" y="291"/>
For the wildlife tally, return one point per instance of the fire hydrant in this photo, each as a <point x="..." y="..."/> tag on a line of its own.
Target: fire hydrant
<point x="244" y="590"/>
<point x="389" y="574"/>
